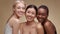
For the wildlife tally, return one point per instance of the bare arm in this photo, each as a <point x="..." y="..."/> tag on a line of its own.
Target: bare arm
<point x="15" y="28"/>
<point x="40" y="29"/>
<point x="50" y="28"/>
<point x="21" y="28"/>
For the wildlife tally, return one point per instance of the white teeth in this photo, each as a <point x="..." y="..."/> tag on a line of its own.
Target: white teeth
<point x="29" y="17"/>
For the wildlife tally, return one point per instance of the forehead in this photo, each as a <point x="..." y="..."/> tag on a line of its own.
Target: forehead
<point x="42" y="10"/>
<point x="31" y="9"/>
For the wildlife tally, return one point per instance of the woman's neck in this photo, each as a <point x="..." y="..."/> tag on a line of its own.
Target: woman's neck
<point x="30" y="22"/>
<point x="15" y="16"/>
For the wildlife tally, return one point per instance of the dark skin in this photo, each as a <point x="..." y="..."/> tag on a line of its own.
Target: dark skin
<point x="47" y="24"/>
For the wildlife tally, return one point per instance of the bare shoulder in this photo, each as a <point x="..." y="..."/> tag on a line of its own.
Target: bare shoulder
<point x="49" y="25"/>
<point x="22" y="24"/>
<point x="40" y="29"/>
<point x="14" y="22"/>
<point x="39" y="25"/>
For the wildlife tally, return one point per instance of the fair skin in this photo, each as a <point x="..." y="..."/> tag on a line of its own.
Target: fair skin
<point x="31" y="27"/>
<point x="19" y="10"/>
<point x="48" y="25"/>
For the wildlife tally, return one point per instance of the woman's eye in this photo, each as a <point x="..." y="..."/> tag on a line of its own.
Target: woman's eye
<point x="28" y="11"/>
<point x="33" y="13"/>
<point x="44" y="14"/>
<point x="18" y="7"/>
<point x="23" y="8"/>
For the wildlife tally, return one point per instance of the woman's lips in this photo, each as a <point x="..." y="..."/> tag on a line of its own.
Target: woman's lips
<point x="20" y="13"/>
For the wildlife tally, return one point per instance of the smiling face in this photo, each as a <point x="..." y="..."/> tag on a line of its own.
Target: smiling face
<point x="19" y="9"/>
<point x="42" y="15"/>
<point x="30" y="14"/>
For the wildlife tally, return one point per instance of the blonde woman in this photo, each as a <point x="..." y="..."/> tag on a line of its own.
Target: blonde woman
<point x="13" y="22"/>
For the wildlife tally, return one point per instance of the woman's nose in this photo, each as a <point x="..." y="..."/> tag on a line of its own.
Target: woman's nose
<point x="40" y="15"/>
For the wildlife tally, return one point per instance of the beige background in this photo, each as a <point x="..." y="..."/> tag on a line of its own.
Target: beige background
<point x="54" y="10"/>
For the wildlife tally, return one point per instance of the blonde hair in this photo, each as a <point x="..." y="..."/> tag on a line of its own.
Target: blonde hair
<point x="14" y="5"/>
<point x="18" y="1"/>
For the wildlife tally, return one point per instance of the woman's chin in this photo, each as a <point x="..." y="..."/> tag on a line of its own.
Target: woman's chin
<point x="29" y="20"/>
<point x="20" y="15"/>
